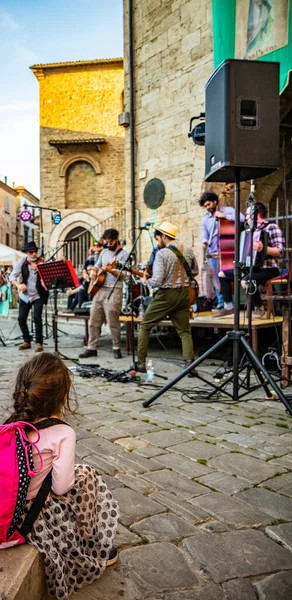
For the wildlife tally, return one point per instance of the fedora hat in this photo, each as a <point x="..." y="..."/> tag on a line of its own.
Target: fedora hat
<point x="29" y="246"/>
<point x="168" y="229"/>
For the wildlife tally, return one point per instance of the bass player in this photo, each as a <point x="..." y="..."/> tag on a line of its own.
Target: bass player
<point x="105" y="308"/>
<point x="210" y="232"/>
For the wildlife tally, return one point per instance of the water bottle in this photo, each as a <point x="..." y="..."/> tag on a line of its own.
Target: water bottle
<point x="150" y="371"/>
<point x="141" y="310"/>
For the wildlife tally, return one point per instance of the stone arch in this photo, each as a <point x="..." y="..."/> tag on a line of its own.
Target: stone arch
<point x="70" y="222"/>
<point x="81" y="157"/>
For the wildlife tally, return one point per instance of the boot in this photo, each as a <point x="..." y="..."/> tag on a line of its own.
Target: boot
<point x="141" y="365"/>
<point x="87" y="353"/>
<point x="39" y="347"/>
<point x="193" y="372"/>
<point x="117" y="353"/>
<point x="25" y="346"/>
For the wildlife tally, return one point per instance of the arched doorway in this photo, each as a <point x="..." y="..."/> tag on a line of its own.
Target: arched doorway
<point x="77" y="251"/>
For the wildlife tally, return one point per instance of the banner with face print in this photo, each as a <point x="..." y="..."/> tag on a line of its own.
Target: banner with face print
<point x="254" y="30"/>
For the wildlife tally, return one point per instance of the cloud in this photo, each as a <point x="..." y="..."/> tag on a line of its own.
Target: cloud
<point x="11" y="107"/>
<point x="7" y="22"/>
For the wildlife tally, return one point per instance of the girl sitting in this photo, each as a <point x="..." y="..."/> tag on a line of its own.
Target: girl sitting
<point x="76" y="527"/>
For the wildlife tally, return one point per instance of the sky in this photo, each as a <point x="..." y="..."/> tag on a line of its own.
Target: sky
<point x="44" y="31"/>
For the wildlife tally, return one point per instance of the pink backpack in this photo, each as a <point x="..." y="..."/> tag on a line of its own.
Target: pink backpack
<point x="16" y="469"/>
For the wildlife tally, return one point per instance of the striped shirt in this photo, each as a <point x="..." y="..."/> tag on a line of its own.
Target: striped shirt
<point x="105" y="258"/>
<point x="168" y="271"/>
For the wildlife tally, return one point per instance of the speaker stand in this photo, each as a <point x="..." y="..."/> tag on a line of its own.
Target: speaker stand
<point x="237" y="337"/>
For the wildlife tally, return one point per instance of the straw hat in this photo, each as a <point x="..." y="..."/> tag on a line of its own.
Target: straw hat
<point x="168" y="229"/>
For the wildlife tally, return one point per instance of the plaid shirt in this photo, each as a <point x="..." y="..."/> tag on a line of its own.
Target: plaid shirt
<point x="275" y="240"/>
<point x="168" y="271"/>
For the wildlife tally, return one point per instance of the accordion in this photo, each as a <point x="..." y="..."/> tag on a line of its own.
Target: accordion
<point x="250" y="257"/>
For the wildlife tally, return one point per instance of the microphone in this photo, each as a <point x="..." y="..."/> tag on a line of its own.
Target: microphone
<point x="145" y="226"/>
<point x="72" y="240"/>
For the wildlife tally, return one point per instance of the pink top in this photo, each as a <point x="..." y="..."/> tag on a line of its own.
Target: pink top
<point x="57" y="447"/>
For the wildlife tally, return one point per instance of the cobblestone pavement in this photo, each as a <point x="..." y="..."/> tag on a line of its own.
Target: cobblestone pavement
<point x="205" y="488"/>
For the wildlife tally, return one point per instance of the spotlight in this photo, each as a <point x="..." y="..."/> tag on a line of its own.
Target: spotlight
<point x="198" y="132"/>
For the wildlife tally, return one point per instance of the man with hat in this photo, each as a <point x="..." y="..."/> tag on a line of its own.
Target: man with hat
<point x="171" y="299"/>
<point x="31" y="293"/>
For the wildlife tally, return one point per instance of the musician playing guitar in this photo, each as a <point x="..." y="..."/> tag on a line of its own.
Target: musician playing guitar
<point x="210" y="232"/>
<point x="172" y="298"/>
<point x="260" y="275"/>
<point x="104" y="308"/>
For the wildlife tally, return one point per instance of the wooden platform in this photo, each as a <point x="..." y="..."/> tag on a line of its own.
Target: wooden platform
<point x="211" y="321"/>
<point x="206" y="319"/>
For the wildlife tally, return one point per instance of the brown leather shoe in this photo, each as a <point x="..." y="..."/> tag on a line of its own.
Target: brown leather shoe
<point x="25" y="346"/>
<point x="38" y="347"/>
<point x="193" y="372"/>
<point x="87" y="353"/>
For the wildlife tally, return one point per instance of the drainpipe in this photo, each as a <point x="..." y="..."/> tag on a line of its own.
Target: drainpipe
<point x="132" y="122"/>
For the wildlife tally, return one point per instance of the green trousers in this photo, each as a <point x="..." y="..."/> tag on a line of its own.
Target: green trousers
<point x="175" y="304"/>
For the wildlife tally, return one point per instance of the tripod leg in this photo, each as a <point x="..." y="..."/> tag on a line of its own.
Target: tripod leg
<point x="260" y="368"/>
<point x="2" y="341"/>
<point x="197" y="362"/>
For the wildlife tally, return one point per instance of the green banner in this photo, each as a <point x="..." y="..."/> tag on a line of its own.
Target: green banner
<point x="254" y="30"/>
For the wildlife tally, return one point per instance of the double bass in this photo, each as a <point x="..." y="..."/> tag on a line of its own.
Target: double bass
<point x="226" y="235"/>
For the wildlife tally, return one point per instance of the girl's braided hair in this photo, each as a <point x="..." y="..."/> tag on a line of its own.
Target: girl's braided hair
<point x="42" y="388"/>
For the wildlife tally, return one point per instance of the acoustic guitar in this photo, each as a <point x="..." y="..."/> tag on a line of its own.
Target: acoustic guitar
<point x="97" y="283"/>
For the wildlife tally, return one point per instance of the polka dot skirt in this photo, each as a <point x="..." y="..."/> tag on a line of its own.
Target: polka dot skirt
<point x="75" y="533"/>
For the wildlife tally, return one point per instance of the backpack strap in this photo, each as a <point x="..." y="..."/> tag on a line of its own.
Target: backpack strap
<point x="49" y="423"/>
<point x="36" y="506"/>
<point x="45" y="488"/>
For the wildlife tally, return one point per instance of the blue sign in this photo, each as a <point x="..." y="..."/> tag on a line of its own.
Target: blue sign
<point x="57" y="218"/>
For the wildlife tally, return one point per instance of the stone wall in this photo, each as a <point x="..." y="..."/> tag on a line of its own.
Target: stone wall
<point x="173" y="59"/>
<point x="81" y="143"/>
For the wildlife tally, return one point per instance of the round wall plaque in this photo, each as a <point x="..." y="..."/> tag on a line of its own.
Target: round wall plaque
<point x="154" y="193"/>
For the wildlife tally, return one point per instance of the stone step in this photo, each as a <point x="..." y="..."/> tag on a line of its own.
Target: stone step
<point x="22" y="574"/>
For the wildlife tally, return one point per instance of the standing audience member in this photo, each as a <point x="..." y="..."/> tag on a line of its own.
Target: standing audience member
<point x="31" y="294"/>
<point x="75" y="529"/>
<point x="172" y="298"/>
<point x="105" y="308"/>
<point x="5" y="294"/>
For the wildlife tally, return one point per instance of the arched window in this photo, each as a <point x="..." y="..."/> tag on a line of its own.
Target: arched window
<point x="80" y="186"/>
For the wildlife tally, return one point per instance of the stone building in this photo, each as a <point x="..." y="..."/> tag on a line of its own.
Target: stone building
<point x="81" y="147"/>
<point x="13" y="231"/>
<point x="8" y="215"/>
<point x="172" y="61"/>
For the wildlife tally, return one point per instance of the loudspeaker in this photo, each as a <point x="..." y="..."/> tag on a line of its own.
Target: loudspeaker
<point x="242" y="120"/>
